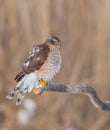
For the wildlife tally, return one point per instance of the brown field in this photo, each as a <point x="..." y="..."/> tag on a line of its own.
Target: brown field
<point x="84" y="29"/>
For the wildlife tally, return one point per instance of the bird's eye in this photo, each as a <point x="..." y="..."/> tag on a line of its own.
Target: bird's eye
<point x="55" y="42"/>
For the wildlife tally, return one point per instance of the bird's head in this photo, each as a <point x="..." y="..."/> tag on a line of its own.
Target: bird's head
<point x="54" y="41"/>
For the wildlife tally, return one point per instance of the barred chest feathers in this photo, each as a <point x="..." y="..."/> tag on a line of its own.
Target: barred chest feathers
<point x="51" y="67"/>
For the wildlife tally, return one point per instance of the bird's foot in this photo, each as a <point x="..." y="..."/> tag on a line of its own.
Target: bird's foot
<point x="42" y="85"/>
<point x="38" y="91"/>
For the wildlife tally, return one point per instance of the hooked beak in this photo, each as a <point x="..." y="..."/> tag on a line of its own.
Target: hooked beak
<point x="60" y="44"/>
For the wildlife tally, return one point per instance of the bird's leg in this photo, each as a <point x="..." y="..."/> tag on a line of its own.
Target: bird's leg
<point x="42" y="85"/>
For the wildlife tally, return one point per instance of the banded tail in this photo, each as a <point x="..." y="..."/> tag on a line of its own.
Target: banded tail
<point x="26" y="84"/>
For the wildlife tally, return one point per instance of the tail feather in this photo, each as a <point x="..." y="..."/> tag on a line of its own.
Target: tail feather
<point x="15" y="90"/>
<point x="19" y="76"/>
<point x="21" y="96"/>
<point x="26" y="84"/>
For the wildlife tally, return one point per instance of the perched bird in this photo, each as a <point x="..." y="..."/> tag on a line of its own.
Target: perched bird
<point x="43" y="62"/>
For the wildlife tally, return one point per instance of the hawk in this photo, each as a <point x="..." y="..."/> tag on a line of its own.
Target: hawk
<point x="43" y="62"/>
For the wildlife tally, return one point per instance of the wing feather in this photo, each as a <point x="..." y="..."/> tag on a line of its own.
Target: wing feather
<point x="37" y="56"/>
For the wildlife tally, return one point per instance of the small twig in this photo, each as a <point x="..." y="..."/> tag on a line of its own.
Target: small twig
<point x="80" y="89"/>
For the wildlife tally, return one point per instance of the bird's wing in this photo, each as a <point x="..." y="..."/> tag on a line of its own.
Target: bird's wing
<point x="37" y="57"/>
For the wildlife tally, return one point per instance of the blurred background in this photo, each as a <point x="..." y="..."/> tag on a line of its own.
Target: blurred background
<point x="84" y="29"/>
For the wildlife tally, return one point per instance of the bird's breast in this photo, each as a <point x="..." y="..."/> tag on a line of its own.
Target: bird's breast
<point x="51" y="66"/>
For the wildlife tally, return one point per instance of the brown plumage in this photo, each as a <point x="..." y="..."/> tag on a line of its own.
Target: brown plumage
<point x="42" y="64"/>
<point x="35" y="60"/>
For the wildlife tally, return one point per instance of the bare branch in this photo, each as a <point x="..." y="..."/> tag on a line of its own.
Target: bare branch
<point x="80" y="89"/>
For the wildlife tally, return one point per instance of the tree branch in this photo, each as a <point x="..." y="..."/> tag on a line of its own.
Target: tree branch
<point x="80" y="89"/>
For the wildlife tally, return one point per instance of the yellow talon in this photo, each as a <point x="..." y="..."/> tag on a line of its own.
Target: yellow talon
<point x="43" y="83"/>
<point x="39" y="90"/>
